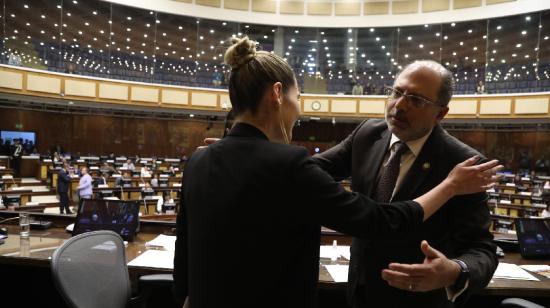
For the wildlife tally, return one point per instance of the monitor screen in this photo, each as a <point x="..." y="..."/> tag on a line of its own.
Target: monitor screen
<point x="121" y="217"/>
<point x="11" y="135"/>
<point x="533" y="237"/>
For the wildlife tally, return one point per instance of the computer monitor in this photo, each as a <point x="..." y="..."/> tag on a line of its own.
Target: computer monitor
<point x="147" y="192"/>
<point x="169" y="207"/>
<point x="126" y="182"/>
<point x="105" y="194"/>
<point x="533" y="237"/>
<point x="11" y="201"/>
<point x="121" y="217"/>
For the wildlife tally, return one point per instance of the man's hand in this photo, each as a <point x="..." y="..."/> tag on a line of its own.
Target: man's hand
<point x="207" y="142"/>
<point x="435" y="273"/>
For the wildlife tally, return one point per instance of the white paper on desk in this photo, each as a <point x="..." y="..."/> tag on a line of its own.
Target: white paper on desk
<point x="338" y="272"/>
<point x="329" y="251"/>
<point x="543" y="270"/>
<point x="167" y="242"/>
<point x="512" y="271"/>
<point x="154" y="258"/>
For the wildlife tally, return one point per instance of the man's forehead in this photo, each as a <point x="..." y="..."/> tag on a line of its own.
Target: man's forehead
<point x="419" y="79"/>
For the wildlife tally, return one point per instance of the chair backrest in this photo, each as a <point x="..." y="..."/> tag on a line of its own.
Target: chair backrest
<point x="89" y="270"/>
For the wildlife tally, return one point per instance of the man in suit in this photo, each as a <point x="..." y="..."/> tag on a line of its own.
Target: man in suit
<point x="459" y="257"/>
<point x="16" y="154"/>
<point x="63" y="182"/>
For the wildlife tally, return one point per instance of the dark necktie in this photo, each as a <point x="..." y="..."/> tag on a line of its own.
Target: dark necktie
<point x="390" y="172"/>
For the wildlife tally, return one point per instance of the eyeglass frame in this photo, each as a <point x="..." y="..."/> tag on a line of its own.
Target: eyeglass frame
<point x="410" y="98"/>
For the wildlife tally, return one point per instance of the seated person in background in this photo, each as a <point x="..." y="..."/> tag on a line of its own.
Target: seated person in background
<point x="172" y="171"/>
<point x="155" y="180"/>
<point x="102" y="180"/>
<point x="107" y="168"/>
<point x="129" y="165"/>
<point x="296" y="198"/>
<point x="111" y="156"/>
<point x="144" y="172"/>
<point x="125" y="176"/>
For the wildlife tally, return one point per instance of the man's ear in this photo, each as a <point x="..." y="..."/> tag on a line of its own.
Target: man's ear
<point x="442" y="113"/>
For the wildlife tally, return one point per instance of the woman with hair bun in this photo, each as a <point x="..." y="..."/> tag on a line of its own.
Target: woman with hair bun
<point x="248" y="229"/>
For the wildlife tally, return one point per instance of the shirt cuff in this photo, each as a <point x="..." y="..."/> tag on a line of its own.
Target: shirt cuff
<point x="452" y="295"/>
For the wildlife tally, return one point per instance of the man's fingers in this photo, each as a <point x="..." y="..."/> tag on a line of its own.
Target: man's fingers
<point x="487" y="166"/>
<point x="402" y="281"/>
<point x="414" y="270"/>
<point x="429" y="251"/>
<point x="469" y="162"/>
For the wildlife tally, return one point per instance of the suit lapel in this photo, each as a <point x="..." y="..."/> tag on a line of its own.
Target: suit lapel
<point x="374" y="159"/>
<point x="421" y="168"/>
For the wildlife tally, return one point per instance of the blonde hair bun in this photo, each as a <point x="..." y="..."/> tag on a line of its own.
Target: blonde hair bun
<point x="240" y="52"/>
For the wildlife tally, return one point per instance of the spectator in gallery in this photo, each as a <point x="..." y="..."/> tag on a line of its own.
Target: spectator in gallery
<point x="70" y="68"/>
<point x="217" y="78"/>
<point x="58" y="149"/>
<point x="14" y="58"/>
<point x="4" y="147"/>
<point x="524" y="163"/>
<point x="542" y="165"/>
<point x="357" y="89"/>
<point x="480" y="88"/>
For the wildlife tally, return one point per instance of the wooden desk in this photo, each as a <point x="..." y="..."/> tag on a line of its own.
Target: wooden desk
<point x="37" y="250"/>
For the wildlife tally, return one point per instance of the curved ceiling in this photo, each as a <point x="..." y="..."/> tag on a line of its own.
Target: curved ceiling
<point x="342" y="13"/>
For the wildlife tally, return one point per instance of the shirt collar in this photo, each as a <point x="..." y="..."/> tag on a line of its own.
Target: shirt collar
<point x="414" y="145"/>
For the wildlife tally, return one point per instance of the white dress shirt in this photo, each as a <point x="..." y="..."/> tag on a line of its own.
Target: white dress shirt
<point x="407" y="159"/>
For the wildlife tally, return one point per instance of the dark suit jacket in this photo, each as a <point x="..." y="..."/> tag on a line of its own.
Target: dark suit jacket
<point x="248" y="229"/>
<point x="460" y="229"/>
<point x="63" y="181"/>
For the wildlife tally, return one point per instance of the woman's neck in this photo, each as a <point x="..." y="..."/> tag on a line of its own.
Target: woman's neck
<point x="266" y="123"/>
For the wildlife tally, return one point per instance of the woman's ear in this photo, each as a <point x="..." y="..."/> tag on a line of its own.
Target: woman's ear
<point x="278" y="92"/>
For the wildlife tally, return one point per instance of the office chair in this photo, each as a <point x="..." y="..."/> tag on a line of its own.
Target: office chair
<point x="89" y="270"/>
<point x="518" y="303"/>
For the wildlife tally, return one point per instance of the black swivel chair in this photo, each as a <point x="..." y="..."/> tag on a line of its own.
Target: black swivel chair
<point x="89" y="270"/>
<point x="518" y="303"/>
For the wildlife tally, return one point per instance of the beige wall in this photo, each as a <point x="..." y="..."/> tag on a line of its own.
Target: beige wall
<point x="435" y="5"/>
<point x="319" y="8"/>
<point x="499" y="1"/>
<point x="460" y="4"/>
<point x="347" y="8"/>
<point x="376" y="8"/>
<point x="236" y="4"/>
<point x="265" y="6"/>
<point x="405" y="7"/>
<point x="291" y="7"/>
<point x="215" y="3"/>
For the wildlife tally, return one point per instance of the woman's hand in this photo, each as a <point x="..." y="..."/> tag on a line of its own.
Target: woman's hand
<point x="468" y="178"/>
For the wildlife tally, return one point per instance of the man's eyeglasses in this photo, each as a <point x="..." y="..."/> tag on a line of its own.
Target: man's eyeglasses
<point x="416" y="101"/>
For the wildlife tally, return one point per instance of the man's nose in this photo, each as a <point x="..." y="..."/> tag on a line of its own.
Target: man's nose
<point x="401" y="103"/>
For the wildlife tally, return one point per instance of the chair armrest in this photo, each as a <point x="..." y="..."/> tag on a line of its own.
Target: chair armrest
<point x="155" y="291"/>
<point x="518" y="303"/>
<point x="156" y="280"/>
